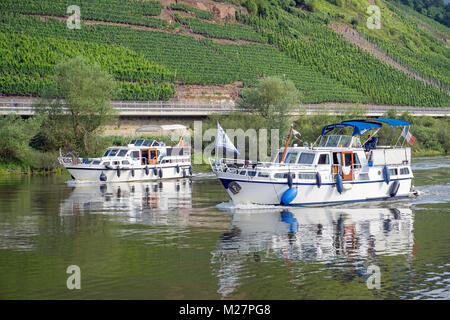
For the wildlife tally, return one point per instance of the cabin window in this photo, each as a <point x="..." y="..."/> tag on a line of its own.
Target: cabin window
<point x="291" y="157"/>
<point x="96" y="162"/>
<point x="281" y="175"/>
<point x="306" y="158"/>
<point x="263" y="175"/>
<point x="242" y="173"/>
<point x="116" y="163"/>
<point x="347" y="159"/>
<point x="113" y="152"/>
<point x="252" y="173"/>
<point x="106" y="153"/>
<point x="125" y="162"/>
<point x="153" y="154"/>
<point x="122" y="153"/>
<point x="393" y="172"/>
<point x="404" y="171"/>
<point x="324" y="158"/>
<point x="307" y="175"/>
<point x="138" y="142"/>
<point x="106" y="163"/>
<point x="135" y="155"/>
<point x="356" y="161"/>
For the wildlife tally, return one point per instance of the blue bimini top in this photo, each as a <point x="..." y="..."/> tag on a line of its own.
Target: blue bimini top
<point x="361" y="126"/>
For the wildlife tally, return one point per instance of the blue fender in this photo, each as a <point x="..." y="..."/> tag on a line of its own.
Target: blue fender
<point x="118" y="172"/>
<point x="318" y="180"/>
<point x="288" y="196"/>
<point x="103" y="177"/>
<point x="339" y="183"/>
<point x="160" y="173"/>
<point x="386" y="175"/>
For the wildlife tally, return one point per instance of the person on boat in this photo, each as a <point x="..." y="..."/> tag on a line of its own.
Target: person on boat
<point x="370" y="144"/>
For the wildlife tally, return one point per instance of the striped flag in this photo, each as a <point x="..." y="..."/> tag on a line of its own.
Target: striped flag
<point x="408" y="136"/>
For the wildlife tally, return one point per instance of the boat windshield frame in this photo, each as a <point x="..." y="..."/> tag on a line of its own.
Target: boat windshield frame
<point x="339" y="141"/>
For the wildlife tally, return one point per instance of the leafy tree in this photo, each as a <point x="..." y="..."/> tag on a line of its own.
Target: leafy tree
<point x="273" y="99"/>
<point x="77" y="106"/>
<point x="15" y="136"/>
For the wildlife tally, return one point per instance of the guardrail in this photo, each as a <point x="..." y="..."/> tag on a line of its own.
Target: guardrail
<point x="25" y="107"/>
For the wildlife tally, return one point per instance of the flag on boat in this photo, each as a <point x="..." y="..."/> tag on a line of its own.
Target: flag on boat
<point x="296" y="133"/>
<point x="408" y="136"/>
<point x="222" y="140"/>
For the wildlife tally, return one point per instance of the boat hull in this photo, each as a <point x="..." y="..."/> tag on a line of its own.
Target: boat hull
<point x="84" y="173"/>
<point x="309" y="194"/>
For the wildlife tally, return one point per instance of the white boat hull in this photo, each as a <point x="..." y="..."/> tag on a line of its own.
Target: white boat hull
<point x="270" y="193"/>
<point x="89" y="173"/>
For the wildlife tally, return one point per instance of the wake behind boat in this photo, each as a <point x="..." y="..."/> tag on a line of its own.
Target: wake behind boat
<point x="141" y="159"/>
<point x="338" y="170"/>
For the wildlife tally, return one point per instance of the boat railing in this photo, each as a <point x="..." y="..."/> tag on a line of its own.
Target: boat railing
<point x="232" y="165"/>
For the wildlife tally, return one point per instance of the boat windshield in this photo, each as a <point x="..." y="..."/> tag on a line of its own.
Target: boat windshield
<point x="122" y="153"/>
<point x="335" y="141"/>
<point x="113" y="152"/>
<point x="306" y="158"/>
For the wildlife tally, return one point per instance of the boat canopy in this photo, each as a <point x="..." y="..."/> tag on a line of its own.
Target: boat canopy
<point x="392" y="122"/>
<point x="361" y="126"/>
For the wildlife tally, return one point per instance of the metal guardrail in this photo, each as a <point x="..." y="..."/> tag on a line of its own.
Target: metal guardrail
<point x="25" y="106"/>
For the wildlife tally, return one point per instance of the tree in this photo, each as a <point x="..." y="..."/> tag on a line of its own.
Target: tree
<point x="15" y="136"/>
<point x="273" y="99"/>
<point x="77" y="106"/>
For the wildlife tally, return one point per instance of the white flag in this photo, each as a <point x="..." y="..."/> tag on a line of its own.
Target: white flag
<point x="222" y="140"/>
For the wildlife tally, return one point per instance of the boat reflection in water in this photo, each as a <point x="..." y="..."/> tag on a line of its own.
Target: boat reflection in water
<point x="338" y="239"/>
<point x="151" y="202"/>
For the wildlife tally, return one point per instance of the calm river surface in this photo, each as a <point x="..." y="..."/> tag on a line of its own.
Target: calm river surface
<point x="184" y="240"/>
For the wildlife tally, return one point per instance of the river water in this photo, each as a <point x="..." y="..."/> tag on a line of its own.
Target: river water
<point x="184" y="240"/>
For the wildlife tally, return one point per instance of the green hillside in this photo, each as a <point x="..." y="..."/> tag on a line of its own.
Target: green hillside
<point x="293" y="39"/>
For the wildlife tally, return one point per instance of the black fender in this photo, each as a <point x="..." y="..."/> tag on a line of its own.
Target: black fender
<point x="318" y="180"/>
<point x="290" y="180"/>
<point x="160" y="173"/>
<point x="394" y="188"/>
